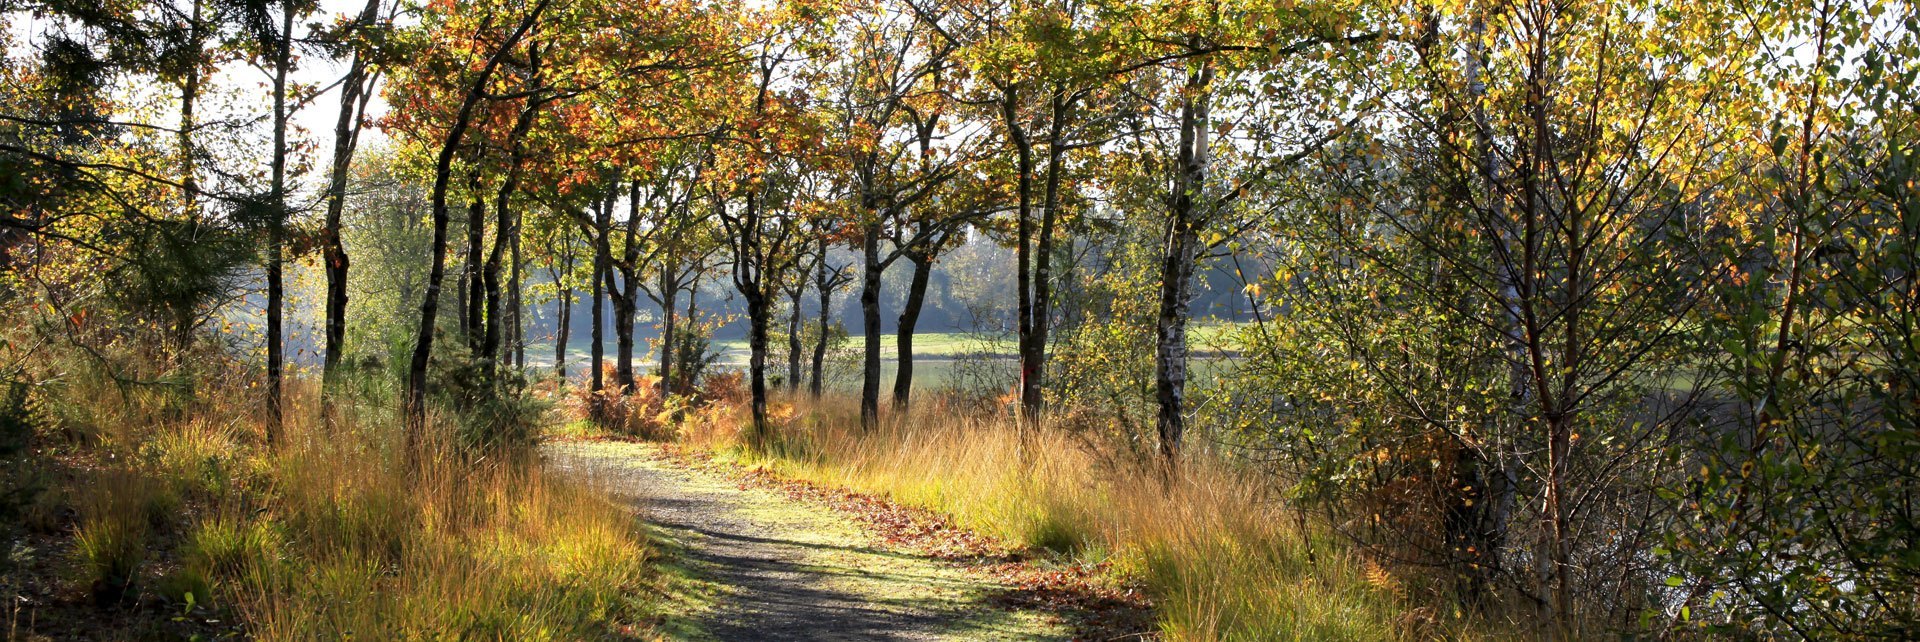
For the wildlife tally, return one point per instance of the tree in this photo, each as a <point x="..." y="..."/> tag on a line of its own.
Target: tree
<point x="658" y="230"/>
<point x="475" y="87"/>
<point x="939" y="221"/>
<point x="684" y="259"/>
<point x="272" y="40"/>
<point x="827" y="279"/>
<point x="1037" y="68"/>
<point x="1513" y="284"/>
<point x="1801" y="326"/>
<point x="558" y="253"/>
<point x="890" y="109"/>
<point x="1193" y="43"/>
<point x="635" y="79"/>
<point x="766" y="173"/>
<point x="356" y="88"/>
<point x="506" y="219"/>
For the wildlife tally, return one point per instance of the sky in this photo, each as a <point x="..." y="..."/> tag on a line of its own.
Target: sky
<point x="318" y="118"/>
<point x="236" y="91"/>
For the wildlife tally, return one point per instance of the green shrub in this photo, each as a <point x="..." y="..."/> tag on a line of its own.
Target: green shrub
<point x="492" y="404"/>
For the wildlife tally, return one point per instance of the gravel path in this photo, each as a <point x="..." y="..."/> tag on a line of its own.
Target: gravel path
<point x="784" y="570"/>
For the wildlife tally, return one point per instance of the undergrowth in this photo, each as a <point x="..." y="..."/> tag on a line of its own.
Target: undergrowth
<point x="173" y="504"/>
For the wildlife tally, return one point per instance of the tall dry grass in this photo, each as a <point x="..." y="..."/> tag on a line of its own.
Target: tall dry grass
<point x="1217" y="549"/>
<point x="331" y="535"/>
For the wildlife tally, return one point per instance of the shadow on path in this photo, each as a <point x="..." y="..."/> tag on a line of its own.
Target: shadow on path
<point x="789" y="571"/>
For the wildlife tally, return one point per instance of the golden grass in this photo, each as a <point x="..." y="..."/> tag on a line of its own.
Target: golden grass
<point x="331" y="536"/>
<point x="1218" y="551"/>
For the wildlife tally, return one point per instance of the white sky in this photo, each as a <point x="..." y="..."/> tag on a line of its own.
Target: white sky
<point x="238" y="91"/>
<point x="319" y="117"/>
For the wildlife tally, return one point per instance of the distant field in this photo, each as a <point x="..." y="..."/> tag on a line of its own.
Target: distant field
<point x="929" y="344"/>
<point x="1207" y="336"/>
<point x="938" y="356"/>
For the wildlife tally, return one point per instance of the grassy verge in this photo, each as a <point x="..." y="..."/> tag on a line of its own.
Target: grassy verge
<point x="1216" y="550"/>
<point x="173" y="519"/>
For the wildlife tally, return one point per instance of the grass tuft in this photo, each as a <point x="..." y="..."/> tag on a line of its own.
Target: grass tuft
<point x="110" y="549"/>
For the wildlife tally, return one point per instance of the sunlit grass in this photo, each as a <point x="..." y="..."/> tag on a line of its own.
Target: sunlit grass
<point x="332" y="535"/>
<point x="1218" y="551"/>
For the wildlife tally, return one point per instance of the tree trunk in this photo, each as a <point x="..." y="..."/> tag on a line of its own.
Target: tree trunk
<point x="1555" y="408"/>
<point x="793" y="340"/>
<point x="1043" y="257"/>
<point x="474" y="322"/>
<point x="601" y="215"/>
<point x="823" y="284"/>
<point x="1023" y="255"/>
<point x="623" y="314"/>
<point x="691" y="317"/>
<point x="560" y="338"/>
<point x="1184" y="219"/>
<point x="758" y="313"/>
<point x="506" y="223"/>
<point x="909" y="320"/>
<point x="189" y="97"/>
<point x="460" y="282"/>
<point x="489" y="352"/>
<point x="185" y="319"/>
<point x="750" y="276"/>
<point x="277" y="227"/>
<point x="430" y="300"/>
<point x="1559" y="449"/>
<point x="870" y="272"/>
<point x="516" y="328"/>
<point x="1479" y="533"/>
<point x="1036" y="281"/>
<point x="1170" y="334"/>
<point x="626" y="297"/>
<point x="669" y="290"/>
<point x="1476" y="521"/>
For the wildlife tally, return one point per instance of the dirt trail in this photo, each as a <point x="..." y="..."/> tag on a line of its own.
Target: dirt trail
<point x="778" y="569"/>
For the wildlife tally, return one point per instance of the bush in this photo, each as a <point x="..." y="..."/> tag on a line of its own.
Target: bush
<point x="230" y="546"/>
<point x="637" y="412"/>
<point x="493" y="406"/>
<point x="726" y="387"/>
<point x="693" y="356"/>
<point x="110" y="549"/>
<point x="333" y="534"/>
